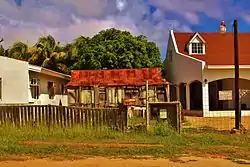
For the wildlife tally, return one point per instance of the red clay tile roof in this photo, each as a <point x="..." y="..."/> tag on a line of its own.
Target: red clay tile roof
<point x="219" y="47"/>
<point x="117" y="77"/>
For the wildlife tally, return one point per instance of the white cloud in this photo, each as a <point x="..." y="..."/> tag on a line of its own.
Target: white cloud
<point x="67" y="19"/>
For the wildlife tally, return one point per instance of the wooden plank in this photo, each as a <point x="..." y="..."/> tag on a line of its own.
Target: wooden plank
<point x="65" y="109"/>
<point x="97" y="111"/>
<point x="80" y="117"/>
<point x="29" y="115"/>
<point x="22" y="116"/>
<point x="43" y="115"/>
<point x="4" y="115"/>
<point x="39" y="118"/>
<point x="93" y="117"/>
<point x="26" y="110"/>
<point x="100" y="113"/>
<point x="14" y="116"/>
<point x="96" y="96"/>
<point x="58" y="121"/>
<point x="68" y="117"/>
<point x="36" y="119"/>
<point x="50" y="116"/>
<point x="1" y="115"/>
<point x="86" y="118"/>
<point x="71" y="117"/>
<point x="104" y="122"/>
<point x="89" y="119"/>
<point x="61" y="116"/>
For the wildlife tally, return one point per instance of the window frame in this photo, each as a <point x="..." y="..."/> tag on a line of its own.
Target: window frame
<point x="51" y="96"/>
<point x="197" y="48"/>
<point x="35" y="84"/>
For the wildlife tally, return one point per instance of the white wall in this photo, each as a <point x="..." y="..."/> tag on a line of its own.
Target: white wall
<point x="182" y="69"/>
<point x="216" y="74"/>
<point x="45" y="100"/>
<point x="186" y="70"/>
<point x="15" y="80"/>
<point x="169" y="70"/>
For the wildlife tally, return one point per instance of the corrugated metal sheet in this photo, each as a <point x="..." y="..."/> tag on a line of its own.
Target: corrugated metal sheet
<point x="117" y="77"/>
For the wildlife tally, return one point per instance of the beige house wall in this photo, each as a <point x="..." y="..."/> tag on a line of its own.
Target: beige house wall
<point x="44" y="94"/>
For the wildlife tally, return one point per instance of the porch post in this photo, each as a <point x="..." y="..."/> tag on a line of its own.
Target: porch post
<point x="168" y="92"/>
<point x="205" y="98"/>
<point x="178" y="92"/>
<point x="187" y="96"/>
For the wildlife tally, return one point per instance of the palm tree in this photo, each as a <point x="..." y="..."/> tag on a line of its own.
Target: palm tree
<point x="48" y="54"/>
<point x="19" y="51"/>
<point x="2" y="51"/>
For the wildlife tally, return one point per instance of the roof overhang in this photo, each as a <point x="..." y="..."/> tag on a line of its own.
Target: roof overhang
<point x="227" y="66"/>
<point x="46" y="71"/>
<point x="34" y="68"/>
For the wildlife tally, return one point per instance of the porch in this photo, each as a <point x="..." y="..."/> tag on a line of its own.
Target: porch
<point x="211" y="99"/>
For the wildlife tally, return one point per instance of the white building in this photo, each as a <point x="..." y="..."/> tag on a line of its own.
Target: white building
<point x="22" y="83"/>
<point x="200" y="65"/>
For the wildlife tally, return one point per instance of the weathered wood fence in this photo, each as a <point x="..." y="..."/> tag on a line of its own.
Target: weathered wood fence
<point x="51" y="116"/>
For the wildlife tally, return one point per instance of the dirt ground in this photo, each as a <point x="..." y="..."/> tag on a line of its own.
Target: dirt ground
<point x="220" y="123"/>
<point x="88" y="145"/>
<point x="106" y="162"/>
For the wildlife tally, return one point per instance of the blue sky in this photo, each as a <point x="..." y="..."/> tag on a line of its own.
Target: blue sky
<point x="26" y="20"/>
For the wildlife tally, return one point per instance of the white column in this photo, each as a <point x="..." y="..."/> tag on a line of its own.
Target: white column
<point x="187" y="97"/>
<point x="205" y="94"/>
<point x="178" y="92"/>
<point x="168" y="92"/>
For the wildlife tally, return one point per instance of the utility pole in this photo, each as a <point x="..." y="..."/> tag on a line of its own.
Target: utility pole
<point x="236" y="77"/>
<point x="147" y="107"/>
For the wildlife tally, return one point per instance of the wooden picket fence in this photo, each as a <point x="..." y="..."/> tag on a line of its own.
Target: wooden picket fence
<point x="51" y="116"/>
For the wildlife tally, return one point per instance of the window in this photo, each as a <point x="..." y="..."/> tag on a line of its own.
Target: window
<point x="197" y="48"/>
<point x="63" y="89"/>
<point x="35" y="88"/>
<point x="51" y="89"/>
<point x="0" y="88"/>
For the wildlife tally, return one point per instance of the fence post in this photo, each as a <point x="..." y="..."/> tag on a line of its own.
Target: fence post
<point x="50" y="117"/>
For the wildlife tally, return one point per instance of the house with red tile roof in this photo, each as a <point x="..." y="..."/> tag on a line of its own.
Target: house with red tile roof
<point x="200" y="66"/>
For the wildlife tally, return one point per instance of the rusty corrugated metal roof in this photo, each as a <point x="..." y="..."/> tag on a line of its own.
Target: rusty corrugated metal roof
<point x="117" y="77"/>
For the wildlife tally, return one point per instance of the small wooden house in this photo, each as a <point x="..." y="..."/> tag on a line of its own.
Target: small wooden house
<point x="109" y="88"/>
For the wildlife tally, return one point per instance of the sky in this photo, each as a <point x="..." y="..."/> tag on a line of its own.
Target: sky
<point x="26" y="20"/>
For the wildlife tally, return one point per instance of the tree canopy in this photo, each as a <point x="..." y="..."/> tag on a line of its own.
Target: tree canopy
<point x="109" y="49"/>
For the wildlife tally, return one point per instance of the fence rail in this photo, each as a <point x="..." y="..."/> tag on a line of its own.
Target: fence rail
<point x="50" y="116"/>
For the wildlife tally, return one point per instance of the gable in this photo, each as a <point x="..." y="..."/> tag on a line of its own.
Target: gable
<point x="219" y="47"/>
<point x="197" y="38"/>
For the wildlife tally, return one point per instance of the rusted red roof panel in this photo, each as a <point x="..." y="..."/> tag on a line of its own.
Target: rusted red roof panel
<point x="117" y="77"/>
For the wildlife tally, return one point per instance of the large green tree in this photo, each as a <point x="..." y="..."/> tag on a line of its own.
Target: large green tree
<point x="114" y="48"/>
<point x="109" y="49"/>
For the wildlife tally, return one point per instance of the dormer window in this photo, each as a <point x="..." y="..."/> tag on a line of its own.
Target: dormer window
<point x="196" y="45"/>
<point x="197" y="48"/>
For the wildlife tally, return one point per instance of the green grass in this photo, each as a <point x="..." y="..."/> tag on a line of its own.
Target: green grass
<point x="190" y="141"/>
